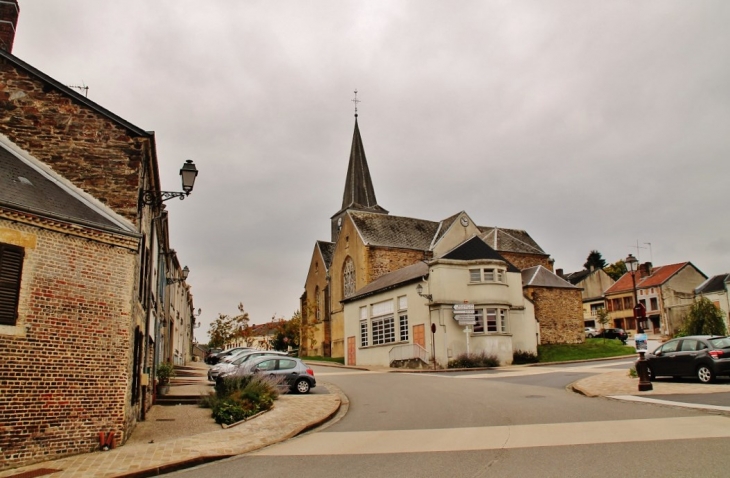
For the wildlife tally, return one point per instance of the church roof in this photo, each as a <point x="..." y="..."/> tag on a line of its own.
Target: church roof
<point x="359" y="191"/>
<point x="539" y="276"/>
<point x="474" y="249"/>
<point x="510" y="240"/>
<point x="394" y="231"/>
<point x="326" y="249"/>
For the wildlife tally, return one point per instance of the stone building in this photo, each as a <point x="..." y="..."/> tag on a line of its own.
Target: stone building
<point x="367" y="242"/>
<point x="83" y="267"/>
<point x="594" y="283"/>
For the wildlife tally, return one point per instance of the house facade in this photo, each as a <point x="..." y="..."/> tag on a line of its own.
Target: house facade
<point x="666" y="292"/>
<point x="594" y="283"/>
<point x="367" y="242"/>
<point x="83" y="267"/>
<point x="715" y="289"/>
<point x="389" y="323"/>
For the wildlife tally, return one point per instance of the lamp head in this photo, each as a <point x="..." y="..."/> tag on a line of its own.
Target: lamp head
<point x="632" y="263"/>
<point x="188" y="172"/>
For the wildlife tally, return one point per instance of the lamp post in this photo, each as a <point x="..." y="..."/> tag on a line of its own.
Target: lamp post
<point x="185" y="273"/>
<point x="188" y="173"/>
<point x="642" y="368"/>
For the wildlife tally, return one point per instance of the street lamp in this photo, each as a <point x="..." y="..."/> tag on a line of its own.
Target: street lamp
<point x="419" y="291"/>
<point x="185" y="273"/>
<point x="188" y="172"/>
<point x="642" y="368"/>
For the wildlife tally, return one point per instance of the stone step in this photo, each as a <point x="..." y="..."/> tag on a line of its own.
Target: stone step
<point x="168" y="400"/>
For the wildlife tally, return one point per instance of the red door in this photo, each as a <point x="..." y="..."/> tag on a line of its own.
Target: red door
<point x="419" y="335"/>
<point x="351" y="351"/>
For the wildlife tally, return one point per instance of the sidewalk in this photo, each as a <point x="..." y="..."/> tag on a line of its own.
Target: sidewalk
<point x="182" y="436"/>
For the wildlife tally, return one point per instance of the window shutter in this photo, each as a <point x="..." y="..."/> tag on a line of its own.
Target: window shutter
<point x="11" y="268"/>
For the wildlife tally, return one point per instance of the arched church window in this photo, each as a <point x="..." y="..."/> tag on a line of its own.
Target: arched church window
<point x="348" y="277"/>
<point x="318" y="305"/>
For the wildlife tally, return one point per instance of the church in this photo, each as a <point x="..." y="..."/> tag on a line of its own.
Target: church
<point x="372" y="254"/>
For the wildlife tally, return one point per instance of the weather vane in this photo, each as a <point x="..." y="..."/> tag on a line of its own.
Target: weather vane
<point x="356" y="101"/>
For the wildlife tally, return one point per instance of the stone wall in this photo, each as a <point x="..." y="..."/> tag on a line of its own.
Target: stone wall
<point x="523" y="261"/>
<point x="560" y="314"/>
<point x="87" y="148"/>
<point x="382" y="260"/>
<point x="64" y="367"/>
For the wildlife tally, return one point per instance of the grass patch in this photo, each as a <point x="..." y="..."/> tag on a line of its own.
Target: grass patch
<point x="590" y="349"/>
<point x="319" y="358"/>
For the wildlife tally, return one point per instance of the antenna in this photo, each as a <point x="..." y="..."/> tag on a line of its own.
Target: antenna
<point x="83" y="88"/>
<point x="638" y="250"/>
<point x="356" y="101"/>
<point x="651" y="255"/>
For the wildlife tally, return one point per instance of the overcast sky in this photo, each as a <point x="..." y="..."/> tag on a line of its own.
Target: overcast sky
<point x="590" y="124"/>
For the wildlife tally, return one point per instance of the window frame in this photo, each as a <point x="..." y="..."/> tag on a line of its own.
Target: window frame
<point x="12" y="259"/>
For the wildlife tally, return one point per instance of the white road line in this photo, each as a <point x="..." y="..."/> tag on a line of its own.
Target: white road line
<point x="357" y="372"/>
<point x="503" y="437"/>
<point x="700" y="406"/>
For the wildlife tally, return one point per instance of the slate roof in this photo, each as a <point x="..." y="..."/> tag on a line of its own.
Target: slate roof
<point x="392" y="280"/>
<point x="394" y="231"/>
<point x="510" y="240"/>
<point x="326" y="249"/>
<point x="539" y="276"/>
<point x="474" y="249"/>
<point x="714" y="284"/>
<point x="576" y="277"/>
<point x="28" y="187"/>
<point x="659" y="276"/>
<point x="444" y="226"/>
<point x="359" y="191"/>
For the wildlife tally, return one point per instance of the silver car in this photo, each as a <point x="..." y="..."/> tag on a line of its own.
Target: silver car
<point x="296" y="374"/>
<point x="224" y="369"/>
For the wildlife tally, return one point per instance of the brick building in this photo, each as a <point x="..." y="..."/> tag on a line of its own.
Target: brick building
<point x="367" y="242"/>
<point x="85" y="310"/>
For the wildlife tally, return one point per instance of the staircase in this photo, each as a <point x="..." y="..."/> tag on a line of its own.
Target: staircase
<point x="188" y="386"/>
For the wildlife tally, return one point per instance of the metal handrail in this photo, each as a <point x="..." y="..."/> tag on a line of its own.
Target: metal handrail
<point x="407" y="352"/>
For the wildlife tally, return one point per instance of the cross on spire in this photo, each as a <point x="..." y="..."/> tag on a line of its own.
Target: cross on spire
<point x="356" y="101"/>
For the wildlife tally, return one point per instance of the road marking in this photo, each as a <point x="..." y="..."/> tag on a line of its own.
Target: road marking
<point x="503" y="437"/>
<point x="356" y="372"/>
<point x="700" y="406"/>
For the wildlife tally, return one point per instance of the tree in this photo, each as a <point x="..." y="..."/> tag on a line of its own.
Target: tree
<point x="602" y="318"/>
<point x="594" y="260"/>
<point x="703" y="319"/>
<point x="226" y="329"/>
<point x="287" y="332"/>
<point x="616" y="270"/>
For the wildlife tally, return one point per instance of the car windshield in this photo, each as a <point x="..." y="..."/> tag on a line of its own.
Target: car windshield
<point x="721" y="342"/>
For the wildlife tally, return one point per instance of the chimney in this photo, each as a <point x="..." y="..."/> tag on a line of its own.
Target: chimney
<point x="9" y="12"/>
<point x="559" y="272"/>
<point x="644" y="270"/>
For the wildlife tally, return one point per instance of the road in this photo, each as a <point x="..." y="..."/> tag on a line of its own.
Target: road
<point x="507" y="422"/>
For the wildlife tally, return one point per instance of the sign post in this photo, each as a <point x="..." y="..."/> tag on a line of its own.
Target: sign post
<point x="433" y="344"/>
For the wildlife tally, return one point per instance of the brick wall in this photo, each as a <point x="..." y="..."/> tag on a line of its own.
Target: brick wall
<point x="64" y="373"/>
<point x="560" y="313"/>
<point x="385" y="259"/>
<point x="523" y="261"/>
<point x="87" y="148"/>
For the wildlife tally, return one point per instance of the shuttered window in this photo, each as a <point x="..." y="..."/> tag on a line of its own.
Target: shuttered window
<point x="11" y="268"/>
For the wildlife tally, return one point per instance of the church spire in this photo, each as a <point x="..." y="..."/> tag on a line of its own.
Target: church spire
<point x="359" y="191"/>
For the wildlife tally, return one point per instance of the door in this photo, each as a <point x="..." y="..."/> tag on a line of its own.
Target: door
<point x="351" y="351"/>
<point x="664" y="362"/>
<point x="419" y="335"/>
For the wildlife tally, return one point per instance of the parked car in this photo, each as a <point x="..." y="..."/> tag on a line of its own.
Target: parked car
<point x="619" y="334"/>
<point x="590" y="332"/>
<point x="225" y="367"/>
<point x="214" y="359"/>
<point x="210" y="353"/>
<point x="295" y="373"/>
<point x="701" y="356"/>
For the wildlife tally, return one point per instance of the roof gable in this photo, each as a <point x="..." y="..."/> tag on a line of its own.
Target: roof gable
<point x="510" y="240"/>
<point x="539" y="276"/>
<point x="659" y="276"/>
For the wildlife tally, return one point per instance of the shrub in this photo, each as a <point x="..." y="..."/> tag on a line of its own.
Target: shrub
<point x="521" y="357"/>
<point x="473" y="360"/>
<point x="238" y="398"/>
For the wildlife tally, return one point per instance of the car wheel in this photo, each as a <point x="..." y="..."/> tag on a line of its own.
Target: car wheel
<point x="301" y="386"/>
<point x="705" y="374"/>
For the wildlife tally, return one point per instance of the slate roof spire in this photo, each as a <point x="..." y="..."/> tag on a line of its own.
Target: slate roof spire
<point x="359" y="190"/>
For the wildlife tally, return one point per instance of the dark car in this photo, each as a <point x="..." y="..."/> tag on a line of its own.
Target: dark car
<point x="701" y="356"/>
<point x="619" y="334"/>
<point x="295" y="373"/>
<point x="214" y="359"/>
<point x="210" y="353"/>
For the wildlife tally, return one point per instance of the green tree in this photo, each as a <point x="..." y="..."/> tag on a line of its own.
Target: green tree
<point x="703" y="319"/>
<point x="226" y="329"/>
<point x="595" y="259"/>
<point x="602" y="318"/>
<point x="287" y="332"/>
<point x="616" y="270"/>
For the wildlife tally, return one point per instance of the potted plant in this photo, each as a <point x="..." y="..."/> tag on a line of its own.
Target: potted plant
<point x="165" y="372"/>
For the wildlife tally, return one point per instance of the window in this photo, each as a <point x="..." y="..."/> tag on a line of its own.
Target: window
<point x="317" y="305"/>
<point x="363" y="326"/>
<point x="383" y="331"/>
<point x="490" y="320"/>
<point x="11" y="269"/>
<point x="286" y="364"/>
<point x="617" y="304"/>
<point x="486" y="275"/>
<point x="500" y="275"/>
<point x="403" y="318"/>
<point x="475" y="275"/>
<point x="348" y="277"/>
<point x="654" y="303"/>
<point x="628" y="302"/>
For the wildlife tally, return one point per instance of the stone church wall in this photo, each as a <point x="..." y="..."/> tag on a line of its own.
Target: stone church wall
<point x="560" y="314"/>
<point x="382" y="260"/>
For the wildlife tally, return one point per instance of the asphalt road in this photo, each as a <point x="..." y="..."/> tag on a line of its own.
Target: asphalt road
<point x="490" y="423"/>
